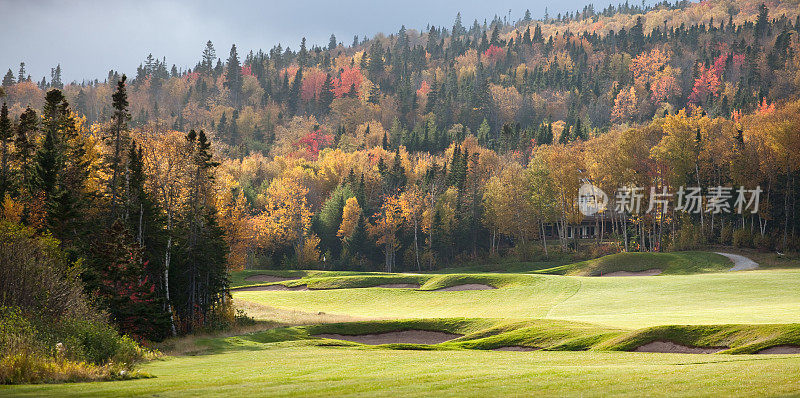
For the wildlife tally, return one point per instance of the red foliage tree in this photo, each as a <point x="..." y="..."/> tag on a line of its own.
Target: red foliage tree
<point x="313" y="142"/>
<point x="709" y="82"/>
<point x="349" y="79"/>
<point x="313" y="80"/>
<point x="121" y="284"/>
<point x="424" y="89"/>
<point x="494" y="54"/>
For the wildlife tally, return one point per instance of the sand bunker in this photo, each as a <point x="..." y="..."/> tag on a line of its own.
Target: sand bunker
<point x="467" y="286"/>
<point x="269" y="278"/>
<point x="516" y="348"/>
<point x="669" y="347"/>
<point x="781" y="349"/>
<point x="404" y="337"/>
<point x="269" y="288"/>
<point x="650" y="272"/>
<point x="399" y="286"/>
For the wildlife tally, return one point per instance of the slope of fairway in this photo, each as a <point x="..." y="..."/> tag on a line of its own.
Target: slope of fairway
<point x="257" y="370"/>
<point x="554" y="335"/>
<point x="531" y="299"/>
<point x="678" y="263"/>
<point x="723" y="298"/>
<point x="743" y="297"/>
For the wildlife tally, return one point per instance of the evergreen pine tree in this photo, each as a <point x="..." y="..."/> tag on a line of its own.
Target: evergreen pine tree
<point x="21" y="75"/>
<point x="24" y="150"/>
<point x="55" y="77"/>
<point x="118" y="279"/>
<point x="6" y="138"/>
<point x="121" y="116"/>
<point x="233" y="77"/>
<point x="200" y="275"/>
<point x="326" y="95"/>
<point x="293" y="102"/>
<point x="332" y="42"/>
<point x="209" y="55"/>
<point x="8" y="79"/>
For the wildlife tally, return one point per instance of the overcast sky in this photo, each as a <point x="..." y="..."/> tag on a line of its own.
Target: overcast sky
<point x="89" y="37"/>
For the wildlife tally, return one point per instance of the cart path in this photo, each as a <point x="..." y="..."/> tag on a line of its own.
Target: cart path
<point x="740" y="263"/>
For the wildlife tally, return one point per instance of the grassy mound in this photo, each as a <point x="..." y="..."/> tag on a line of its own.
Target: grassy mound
<point x="322" y="280"/>
<point x="740" y="339"/>
<point x="239" y="278"/>
<point x="545" y="334"/>
<point x="679" y="263"/>
<point x="550" y="335"/>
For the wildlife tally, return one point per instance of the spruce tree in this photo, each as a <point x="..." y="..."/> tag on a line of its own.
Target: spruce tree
<point x="8" y="79"/>
<point x="326" y="95"/>
<point x="6" y="137"/>
<point x="209" y="56"/>
<point x="302" y="55"/>
<point x="332" y="42"/>
<point x="46" y="164"/>
<point x="21" y="75"/>
<point x="117" y="278"/>
<point x="762" y="21"/>
<point x="24" y="149"/>
<point x="293" y="102"/>
<point x="200" y="275"/>
<point x="61" y="173"/>
<point x="233" y="78"/>
<point x="55" y="77"/>
<point x="121" y="116"/>
<point x="495" y="39"/>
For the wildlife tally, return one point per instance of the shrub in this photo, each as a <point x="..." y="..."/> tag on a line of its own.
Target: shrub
<point x="98" y="343"/>
<point x="600" y="250"/>
<point x="48" y="330"/>
<point x="763" y="242"/>
<point x="41" y="350"/>
<point x="223" y="317"/>
<point x="26" y="368"/>
<point x="36" y="276"/>
<point x="726" y="234"/>
<point x="688" y="237"/>
<point x="530" y="251"/>
<point x="742" y="238"/>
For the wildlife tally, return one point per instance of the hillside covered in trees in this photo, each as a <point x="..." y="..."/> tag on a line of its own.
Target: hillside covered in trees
<point x="407" y="151"/>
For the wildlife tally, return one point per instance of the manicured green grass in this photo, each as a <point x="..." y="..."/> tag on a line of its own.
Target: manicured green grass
<point x="633" y="302"/>
<point x="321" y="280"/>
<point x="739" y="339"/>
<point x="268" y="370"/>
<point x="485" y="334"/>
<point x="678" y="263"/>
<point x="505" y="266"/>
<point x="239" y="278"/>
<point x="583" y="324"/>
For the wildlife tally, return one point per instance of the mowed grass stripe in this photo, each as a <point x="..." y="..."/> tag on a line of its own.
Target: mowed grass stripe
<point x="325" y="371"/>
<point x="769" y="296"/>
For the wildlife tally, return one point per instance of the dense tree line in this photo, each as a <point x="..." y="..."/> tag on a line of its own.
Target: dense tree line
<point x="156" y="272"/>
<point x="417" y="149"/>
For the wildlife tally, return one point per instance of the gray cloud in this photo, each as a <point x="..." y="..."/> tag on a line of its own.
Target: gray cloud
<point x="89" y="37"/>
